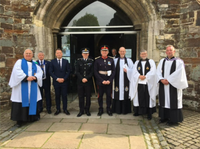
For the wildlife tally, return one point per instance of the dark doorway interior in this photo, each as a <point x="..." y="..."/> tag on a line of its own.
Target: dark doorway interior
<point x="93" y="42"/>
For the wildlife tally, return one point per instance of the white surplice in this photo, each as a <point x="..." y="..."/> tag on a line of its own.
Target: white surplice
<point x="16" y="78"/>
<point x="177" y="79"/>
<point x="121" y="76"/>
<point x="133" y="76"/>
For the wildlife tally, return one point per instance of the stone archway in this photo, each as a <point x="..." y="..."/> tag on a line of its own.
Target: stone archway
<point x="49" y="15"/>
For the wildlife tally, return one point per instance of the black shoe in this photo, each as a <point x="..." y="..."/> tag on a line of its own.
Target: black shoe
<point x="88" y="113"/>
<point x="41" y="110"/>
<point x="57" y="112"/>
<point x="109" y="113"/>
<point x="19" y="124"/>
<point x="100" y="112"/>
<point x="172" y="123"/>
<point x="162" y="120"/>
<point x="149" y="117"/>
<point x="66" y="112"/>
<point x="49" y="111"/>
<point x="135" y="114"/>
<point x="80" y="114"/>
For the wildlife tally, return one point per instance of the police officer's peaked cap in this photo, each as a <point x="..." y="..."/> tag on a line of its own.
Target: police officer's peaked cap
<point x="85" y="50"/>
<point x="104" y="48"/>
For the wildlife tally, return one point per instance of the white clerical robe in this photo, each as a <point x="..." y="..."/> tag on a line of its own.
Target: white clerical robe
<point x="133" y="76"/>
<point x="177" y="79"/>
<point x="16" y="78"/>
<point x="121" y="76"/>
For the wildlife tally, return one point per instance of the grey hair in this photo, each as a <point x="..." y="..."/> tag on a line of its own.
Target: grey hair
<point x="171" y="46"/>
<point x="143" y="51"/>
<point x="41" y="52"/>
<point x="26" y="50"/>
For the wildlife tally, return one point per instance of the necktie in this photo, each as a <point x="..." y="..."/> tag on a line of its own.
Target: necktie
<point x="42" y="67"/>
<point x="59" y="64"/>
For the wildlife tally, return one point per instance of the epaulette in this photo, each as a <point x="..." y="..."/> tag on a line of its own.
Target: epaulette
<point x="111" y="57"/>
<point x="90" y="59"/>
<point x="97" y="57"/>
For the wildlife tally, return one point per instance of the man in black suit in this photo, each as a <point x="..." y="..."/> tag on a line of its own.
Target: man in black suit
<point x="84" y="72"/>
<point x="59" y="71"/>
<point x="46" y="83"/>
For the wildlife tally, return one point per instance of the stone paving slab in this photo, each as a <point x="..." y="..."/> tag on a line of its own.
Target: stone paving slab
<point x="137" y="142"/>
<point x="47" y="120"/>
<point x="130" y="121"/>
<point x="64" y="140"/>
<point x="69" y="127"/>
<point x="124" y="129"/>
<point x="94" y="128"/>
<point x="29" y="139"/>
<point x="74" y="120"/>
<point x="39" y="127"/>
<point x="107" y="121"/>
<point x="103" y="141"/>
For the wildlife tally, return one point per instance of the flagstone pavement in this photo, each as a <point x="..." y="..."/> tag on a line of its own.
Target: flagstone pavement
<point x="95" y="132"/>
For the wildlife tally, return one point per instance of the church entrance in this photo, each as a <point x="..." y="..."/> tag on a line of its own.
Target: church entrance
<point x="89" y="29"/>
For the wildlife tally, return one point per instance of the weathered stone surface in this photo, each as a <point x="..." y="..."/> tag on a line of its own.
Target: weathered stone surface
<point x="91" y="141"/>
<point x="69" y="127"/>
<point x="64" y="140"/>
<point x="39" y="126"/>
<point x="94" y="128"/>
<point x="124" y="129"/>
<point x="29" y="140"/>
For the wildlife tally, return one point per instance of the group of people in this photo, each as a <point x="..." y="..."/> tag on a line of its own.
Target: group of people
<point x="121" y="80"/>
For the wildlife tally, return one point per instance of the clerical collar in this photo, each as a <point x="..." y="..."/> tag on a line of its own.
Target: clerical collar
<point x="104" y="57"/>
<point x="170" y="59"/>
<point x="122" y="58"/>
<point x="144" y="59"/>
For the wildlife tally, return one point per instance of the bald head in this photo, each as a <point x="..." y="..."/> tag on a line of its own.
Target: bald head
<point x="122" y="52"/>
<point x="28" y="54"/>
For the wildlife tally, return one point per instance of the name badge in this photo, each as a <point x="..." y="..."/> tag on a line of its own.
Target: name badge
<point x="109" y="63"/>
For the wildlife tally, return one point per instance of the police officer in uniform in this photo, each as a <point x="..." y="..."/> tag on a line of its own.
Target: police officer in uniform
<point x="84" y="72"/>
<point x="104" y="70"/>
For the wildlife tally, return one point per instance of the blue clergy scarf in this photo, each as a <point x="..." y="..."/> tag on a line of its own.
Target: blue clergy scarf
<point x="24" y="89"/>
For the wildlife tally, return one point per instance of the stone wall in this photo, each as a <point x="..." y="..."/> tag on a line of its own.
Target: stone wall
<point x="177" y="22"/>
<point x="15" y="36"/>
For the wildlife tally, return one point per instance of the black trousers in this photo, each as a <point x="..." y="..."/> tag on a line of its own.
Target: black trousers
<point x="84" y="91"/>
<point x="105" y="89"/>
<point x="61" y="91"/>
<point x="46" y="88"/>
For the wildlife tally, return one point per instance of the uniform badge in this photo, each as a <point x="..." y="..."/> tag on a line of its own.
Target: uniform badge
<point x="126" y="88"/>
<point x="104" y="61"/>
<point x="109" y="63"/>
<point x="147" y="68"/>
<point x="138" y="68"/>
<point x="116" y="89"/>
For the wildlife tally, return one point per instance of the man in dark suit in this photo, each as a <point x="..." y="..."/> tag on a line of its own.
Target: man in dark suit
<point x="84" y="72"/>
<point x="46" y="83"/>
<point x="104" y="71"/>
<point x="59" y="71"/>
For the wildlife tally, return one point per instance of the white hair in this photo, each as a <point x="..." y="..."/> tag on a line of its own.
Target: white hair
<point x="171" y="46"/>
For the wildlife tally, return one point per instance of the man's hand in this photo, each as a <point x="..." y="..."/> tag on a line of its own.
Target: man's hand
<point x="164" y="81"/>
<point x="108" y="82"/>
<point x="141" y="77"/>
<point x="104" y="82"/>
<point x="60" y="80"/>
<point x="84" y="80"/>
<point x="31" y="78"/>
<point x="125" y="70"/>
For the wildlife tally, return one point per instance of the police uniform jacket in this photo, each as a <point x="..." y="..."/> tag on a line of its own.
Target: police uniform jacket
<point x="84" y="69"/>
<point x="104" y="65"/>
